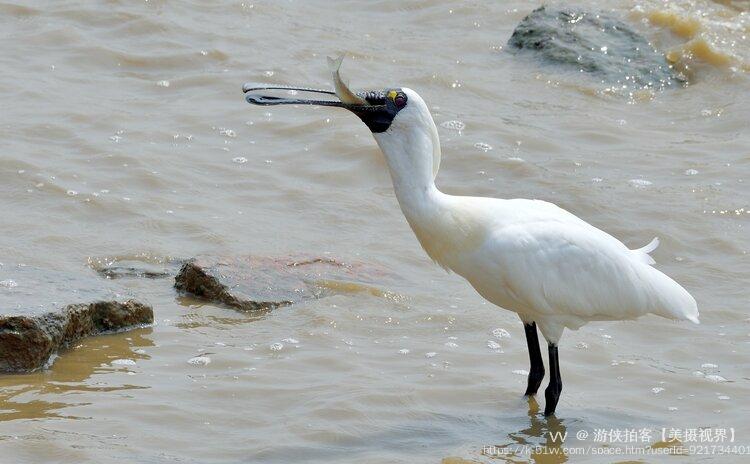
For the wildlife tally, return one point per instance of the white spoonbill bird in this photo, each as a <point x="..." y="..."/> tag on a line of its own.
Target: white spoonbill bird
<point x="531" y="257"/>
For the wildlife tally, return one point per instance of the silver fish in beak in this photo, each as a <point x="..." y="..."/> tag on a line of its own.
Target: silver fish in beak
<point x="342" y="90"/>
<point x="376" y="108"/>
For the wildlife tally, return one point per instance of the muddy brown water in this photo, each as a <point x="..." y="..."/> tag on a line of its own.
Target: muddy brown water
<point x="124" y="133"/>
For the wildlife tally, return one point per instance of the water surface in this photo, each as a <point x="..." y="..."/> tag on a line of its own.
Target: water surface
<point x="124" y="133"/>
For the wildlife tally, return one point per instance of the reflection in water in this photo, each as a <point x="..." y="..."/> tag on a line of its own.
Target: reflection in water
<point x="329" y="287"/>
<point x="22" y="395"/>
<point x="203" y="313"/>
<point x="544" y="438"/>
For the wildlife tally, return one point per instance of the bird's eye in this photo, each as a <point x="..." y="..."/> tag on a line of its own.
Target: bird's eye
<point x="400" y="101"/>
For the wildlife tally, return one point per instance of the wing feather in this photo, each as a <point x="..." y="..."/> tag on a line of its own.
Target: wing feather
<point x="560" y="268"/>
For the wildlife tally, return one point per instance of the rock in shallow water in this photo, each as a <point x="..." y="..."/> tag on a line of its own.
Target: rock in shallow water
<point x="28" y="341"/>
<point x="47" y="310"/>
<point x="253" y="283"/>
<point x="594" y="43"/>
<point x="135" y="266"/>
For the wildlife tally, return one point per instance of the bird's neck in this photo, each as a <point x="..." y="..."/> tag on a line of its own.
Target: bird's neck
<point x="413" y="158"/>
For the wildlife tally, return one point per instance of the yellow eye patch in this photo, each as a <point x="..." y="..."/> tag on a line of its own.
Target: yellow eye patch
<point x="392" y="94"/>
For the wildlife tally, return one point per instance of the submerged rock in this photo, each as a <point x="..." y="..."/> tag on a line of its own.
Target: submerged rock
<point x="594" y="43"/>
<point x="120" y="272"/>
<point x="135" y="266"/>
<point x="28" y="341"/>
<point x="252" y="283"/>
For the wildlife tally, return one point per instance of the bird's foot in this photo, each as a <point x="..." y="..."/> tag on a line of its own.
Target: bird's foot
<point x="535" y="380"/>
<point x="551" y="397"/>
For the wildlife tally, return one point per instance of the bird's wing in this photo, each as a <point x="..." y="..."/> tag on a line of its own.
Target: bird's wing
<point x="559" y="267"/>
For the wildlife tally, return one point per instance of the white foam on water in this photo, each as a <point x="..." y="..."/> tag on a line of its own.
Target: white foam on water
<point x="276" y="346"/>
<point x="123" y="362"/>
<point x="640" y="183"/>
<point x="485" y="147"/>
<point x="199" y="360"/>
<point x="500" y="333"/>
<point x="493" y="345"/>
<point x="617" y="363"/>
<point x="455" y="125"/>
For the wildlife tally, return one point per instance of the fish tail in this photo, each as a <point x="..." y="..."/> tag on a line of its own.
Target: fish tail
<point x="334" y="63"/>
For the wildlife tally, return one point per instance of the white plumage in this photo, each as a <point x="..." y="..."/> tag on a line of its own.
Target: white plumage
<point x="553" y="269"/>
<point x="527" y="256"/>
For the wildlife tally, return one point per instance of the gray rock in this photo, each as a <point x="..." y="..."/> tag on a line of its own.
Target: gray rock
<point x="252" y="283"/>
<point x="594" y="43"/>
<point x="43" y="311"/>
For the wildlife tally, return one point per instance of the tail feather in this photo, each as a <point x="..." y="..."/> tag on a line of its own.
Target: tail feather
<point x="672" y="301"/>
<point x="642" y="254"/>
<point x="652" y="245"/>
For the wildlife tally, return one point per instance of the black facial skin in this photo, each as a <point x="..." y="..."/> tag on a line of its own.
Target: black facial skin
<point x="389" y="103"/>
<point x="378" y="114"/>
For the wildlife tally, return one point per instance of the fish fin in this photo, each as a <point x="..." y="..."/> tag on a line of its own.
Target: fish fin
<point x="334" y="63"/>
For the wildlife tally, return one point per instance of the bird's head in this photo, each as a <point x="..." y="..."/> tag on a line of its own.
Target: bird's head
<point x="397" y="117"/>
<point x="376" y="108"/>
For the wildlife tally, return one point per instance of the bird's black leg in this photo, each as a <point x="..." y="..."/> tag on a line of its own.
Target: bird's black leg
<point x="552" y="393"/>
<point x="536" y="371"/>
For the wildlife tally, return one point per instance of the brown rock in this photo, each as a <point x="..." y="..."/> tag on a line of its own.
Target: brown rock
<point x="252" y="283"/>
<point x="28" y="341"/>
<point x="203" y="283"/>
